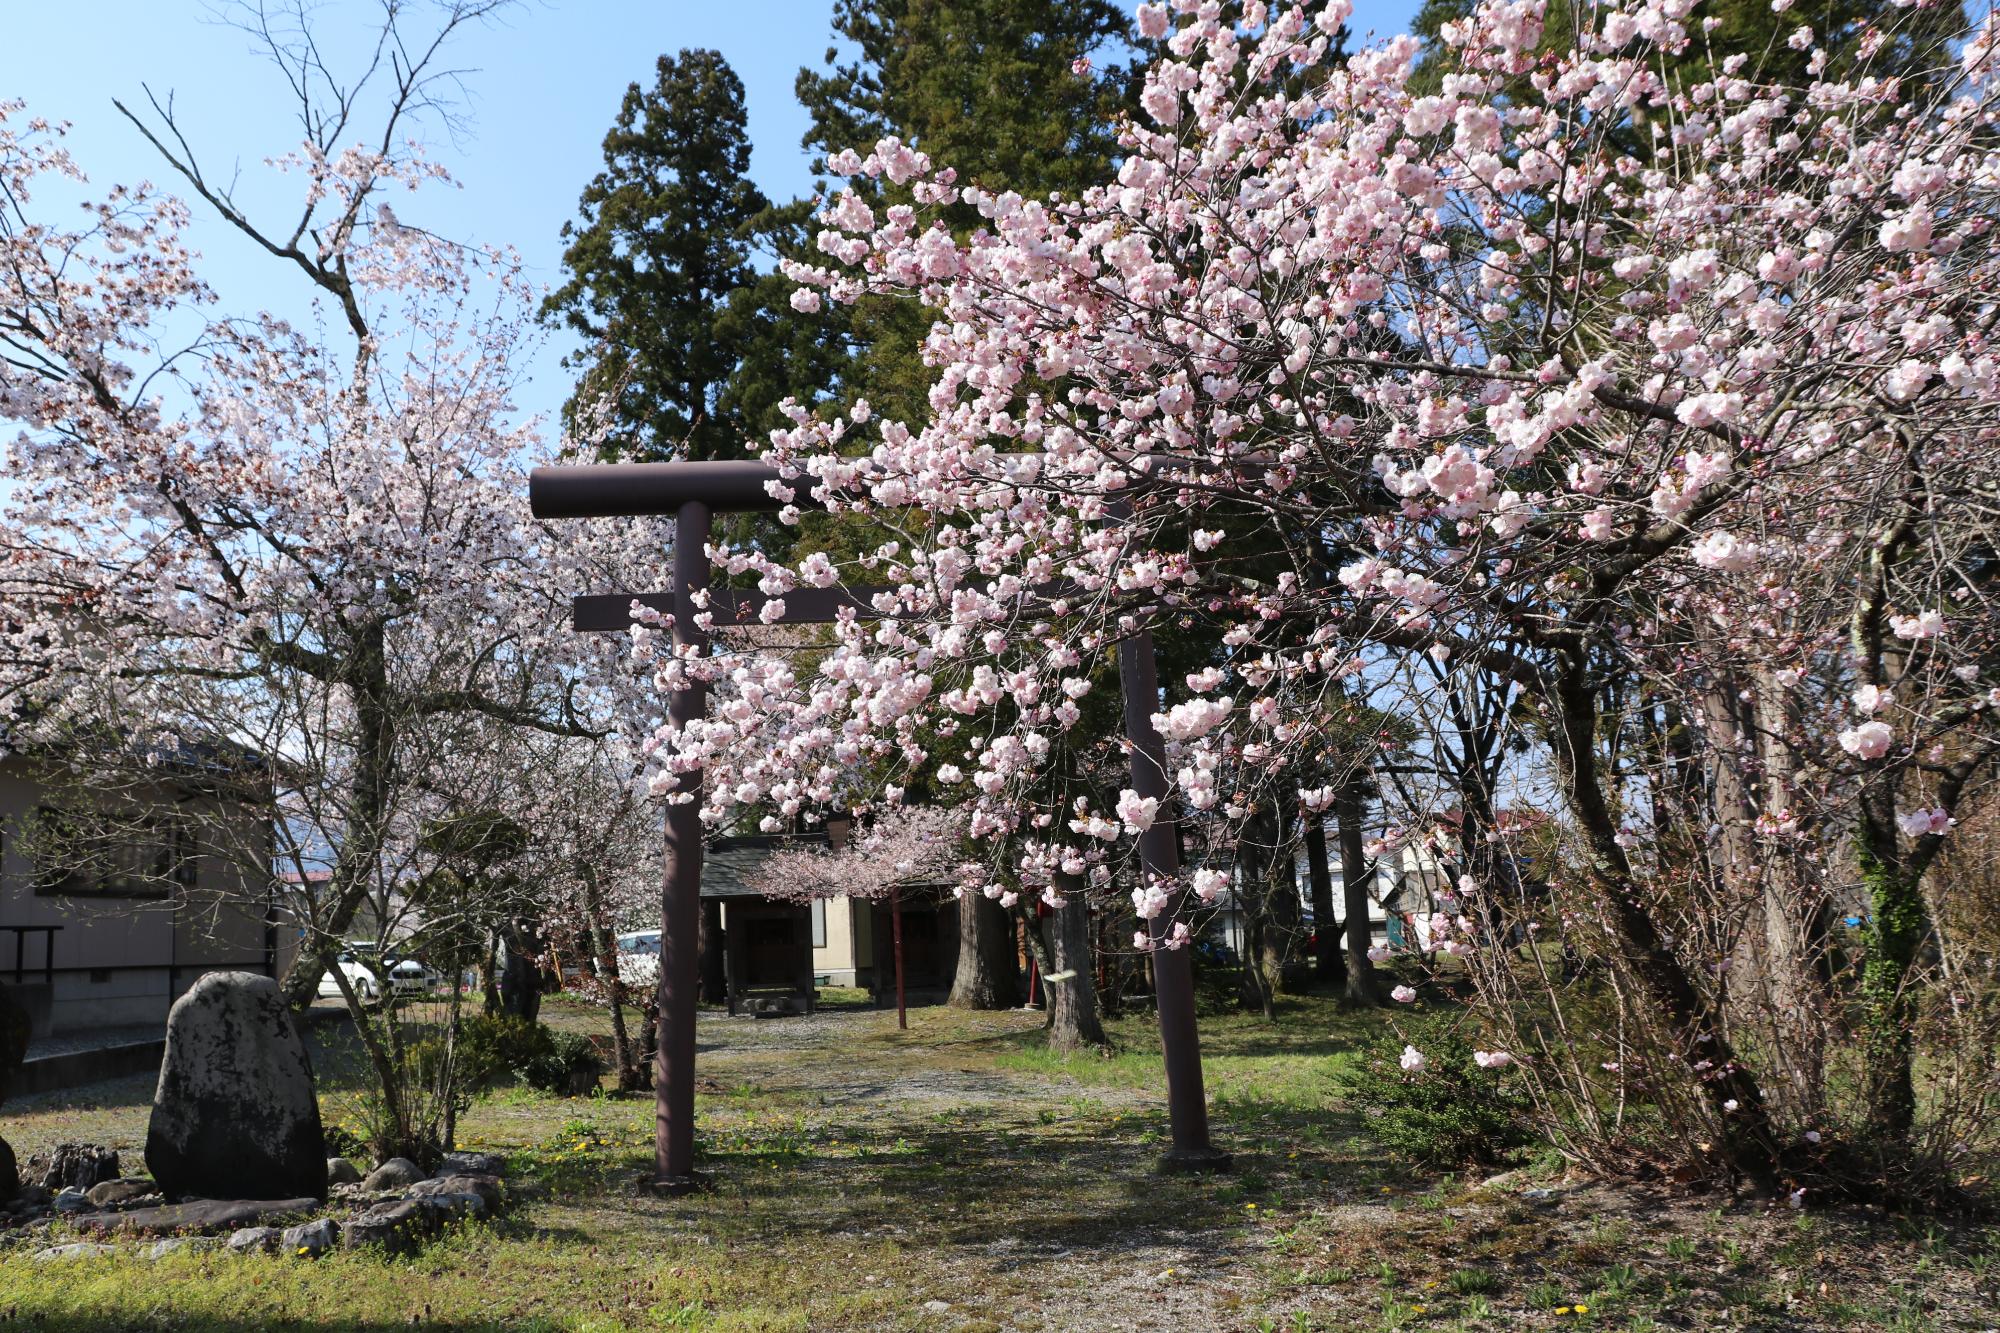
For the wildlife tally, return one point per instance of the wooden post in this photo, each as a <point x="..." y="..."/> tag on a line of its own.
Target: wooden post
<point x="680" y="890"/>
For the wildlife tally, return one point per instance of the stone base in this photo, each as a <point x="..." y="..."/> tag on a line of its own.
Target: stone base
<point x="674" y="1187"/>
<point x="1195" y="1161"/>
<point x="203" y="1217"/>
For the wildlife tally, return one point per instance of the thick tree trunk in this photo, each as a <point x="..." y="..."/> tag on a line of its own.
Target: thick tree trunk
<point x="1069" y="988"/>
<point x="1773" y="994"/>
<point x="365" y="818"/>
<point x="1265" y="891"/>
<point x="520" y="979"/>
<point x="1729" y="1085"/>
<point x="1354" y="877"/>
<point x="989" y="975"/>
<point x="1329" y="963"/>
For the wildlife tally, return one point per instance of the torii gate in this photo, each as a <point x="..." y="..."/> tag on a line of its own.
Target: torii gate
<point x="692" y="493"/>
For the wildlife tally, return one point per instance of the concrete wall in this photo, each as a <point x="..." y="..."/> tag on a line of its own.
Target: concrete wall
<point x="124" y="960"/>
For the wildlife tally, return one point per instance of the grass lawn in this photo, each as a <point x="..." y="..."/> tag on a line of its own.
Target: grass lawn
<point x="960" y="1177"/>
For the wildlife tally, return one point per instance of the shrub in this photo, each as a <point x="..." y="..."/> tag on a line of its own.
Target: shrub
<point x="1449" y="1114"/>
<point x="571" y="1066"/>
<point x="495" y="1050"/>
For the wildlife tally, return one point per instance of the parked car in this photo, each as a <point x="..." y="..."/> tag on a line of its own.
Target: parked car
<point x="639" y="958"/>
<point x="409" y="976"/>
<point x="366" y="973"/>
<point x="366" y="987"/>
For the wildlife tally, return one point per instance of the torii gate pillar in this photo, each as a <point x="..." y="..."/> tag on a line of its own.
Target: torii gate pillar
<point x="680" y="886"/>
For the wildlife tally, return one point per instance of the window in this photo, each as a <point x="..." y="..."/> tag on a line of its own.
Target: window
<point x="77" y="856"/>
<point x="819" y="923"/>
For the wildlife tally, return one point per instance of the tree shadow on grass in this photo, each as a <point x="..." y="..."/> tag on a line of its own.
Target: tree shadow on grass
<point x="1070" y="1186"/>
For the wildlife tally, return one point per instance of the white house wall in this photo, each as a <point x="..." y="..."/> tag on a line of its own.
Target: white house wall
<point x="123" y="961"/>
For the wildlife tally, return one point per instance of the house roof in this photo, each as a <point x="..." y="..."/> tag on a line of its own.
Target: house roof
<point x="727" y="862"/>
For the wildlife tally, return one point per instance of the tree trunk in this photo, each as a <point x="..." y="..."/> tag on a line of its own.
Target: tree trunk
<point x="1354" y="877"/>
<point x="520" y="979"/>
<point x="1794" y="914"/>
<point x="1069" y="990"/>
<point x="604" y="952"/>
<point x="1329" y="964"/>
<point x="605" y="949"/>
<point x="1897" y="924"/>
<point x="367" y="817"/>
<point x="988" y="974"/>
<point x="1773" y="995"/>
<point x="1729" y="1086"/>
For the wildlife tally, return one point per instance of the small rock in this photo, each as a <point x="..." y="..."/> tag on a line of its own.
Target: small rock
<point x="489" y="1189"/>
<point x="72" y="1200"/>
<point x="80" y="1249"/>
<point x="1539" y="1195"/>
<point x="310" y="1240"/>
<point x="31" y="1200"/>
<point x="340" y="1171"/>
<point x="937" y="1307"/>
<point x="473" y="1164"/>
<point x="72" y="1165"/>
<point x="108" y="1193"/>
<point x="394" y="1174"/>
<point x="254" y="1240"/>
<point x="456" y="1206"/>
<point x="396" y="1226"/>
<point x="160" y="1249"/>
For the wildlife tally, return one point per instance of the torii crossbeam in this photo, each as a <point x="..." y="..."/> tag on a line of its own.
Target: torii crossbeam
<point x="692" y="493"/>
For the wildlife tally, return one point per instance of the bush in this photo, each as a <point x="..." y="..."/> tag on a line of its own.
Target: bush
<point x="495" y="1050"/>
<point x="1450" y="1114"/>
<point x="571" y="1067"/>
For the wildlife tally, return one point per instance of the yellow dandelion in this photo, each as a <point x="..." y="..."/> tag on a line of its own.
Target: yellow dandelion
<point x="1562" y="1309"/>
<point x="1581" y="1308"/>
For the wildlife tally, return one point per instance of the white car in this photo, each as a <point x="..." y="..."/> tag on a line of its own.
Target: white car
<point x="366" y="988"/>
<point x="406" y="976"/>
<point x="639" y="958"/>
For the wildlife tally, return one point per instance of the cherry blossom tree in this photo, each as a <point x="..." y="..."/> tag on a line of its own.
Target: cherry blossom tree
<point x="303" y="546"/>
<point x="1714" y="420"/>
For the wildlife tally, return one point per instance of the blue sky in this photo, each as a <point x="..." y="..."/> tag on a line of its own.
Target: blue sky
<point x="544" y="84"/>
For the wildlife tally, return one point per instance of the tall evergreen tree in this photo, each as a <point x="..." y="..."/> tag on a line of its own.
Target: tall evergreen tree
<point x="658" y="251"/>
<point x="1013" y="94"/>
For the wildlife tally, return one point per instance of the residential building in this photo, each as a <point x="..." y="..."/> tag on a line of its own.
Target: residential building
<point x="111" y="907"/>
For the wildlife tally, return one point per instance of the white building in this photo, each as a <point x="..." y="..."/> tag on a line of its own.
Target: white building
<point x="106" y="921"/>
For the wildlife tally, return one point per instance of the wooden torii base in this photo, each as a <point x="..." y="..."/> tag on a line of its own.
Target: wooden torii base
<point x="693" y="493"/>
